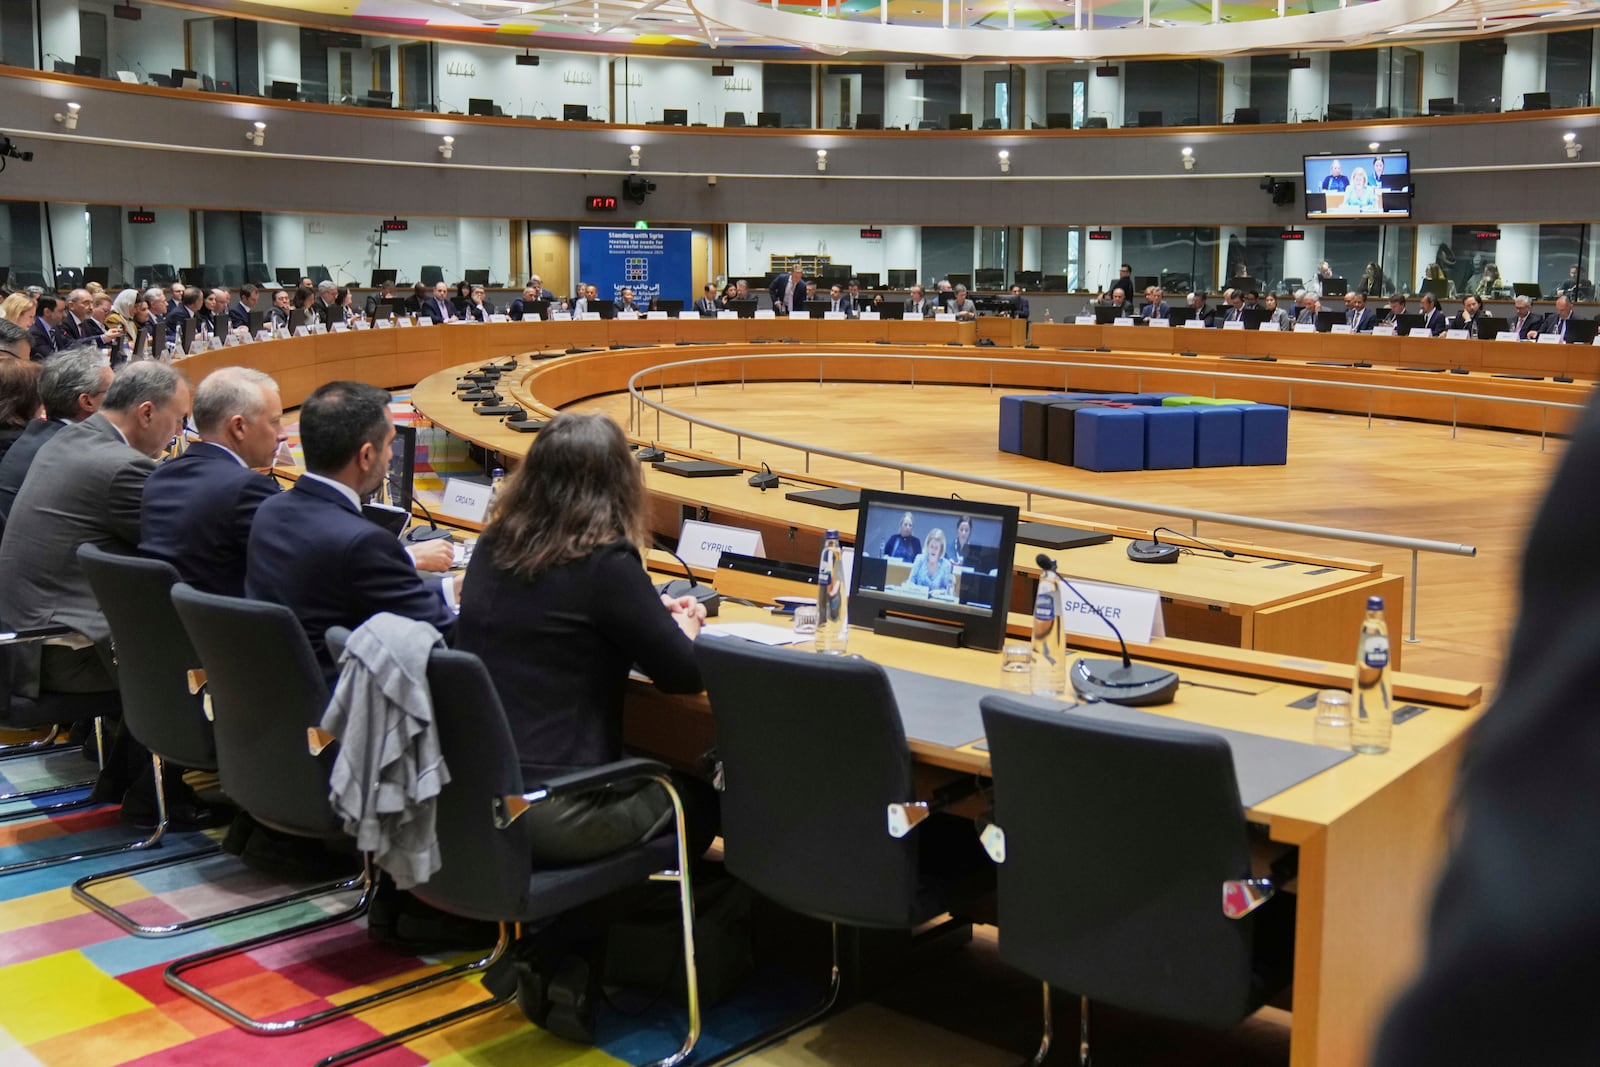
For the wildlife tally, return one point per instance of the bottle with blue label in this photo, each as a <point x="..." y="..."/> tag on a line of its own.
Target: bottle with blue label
<point x="1372" y="718"/>
<point x="1049" y="639"/>
<point x="833" y="619"/>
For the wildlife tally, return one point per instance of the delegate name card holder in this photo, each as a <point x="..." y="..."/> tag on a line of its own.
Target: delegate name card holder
<point x="1384" y="331"/>
<point x="1511" y="335"/>
<point x="701" y="544"/>
<point x="1305" y="327"/>
<point x="834" y="315"/>
<point x="765" y="313"/>
<point x="1122" y="320"/>
<point x="727" y="314"/>
<point x="944" y="316"/>
<point x="1551" y="339"/>
<point x="1158" y="322"/>
<point x="656" y="315"/>
<point x="1195" y="324"/>
<point x="1233" y="324"/>
<point x="1084" y="320"/>
<point x="423" y="320"/>
<point x="465" y="499"/>
<point x="1457" y="335"/>
<point x="912" y="316"/>
<point x="1137" y="612"/>
<point x="870" y="316"/>
<point x="1340" y="327"/>
<point x="801" y="314"/>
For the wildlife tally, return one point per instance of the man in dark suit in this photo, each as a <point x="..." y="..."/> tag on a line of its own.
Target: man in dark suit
<point x="198" y="508"/>
<point x="14" y="341"/>
<point x="73" y="385"/>
<point x="438" y="306"/>
<point x="1523" y="322"/>
<point x="837" y="301"/>
<point x="311" y="549"/>
<point x="1557" y="323"/>
<point x="325" y="307"/>
<point x="45" y="333"/>
<point x="1019" y="303"/>
<point x="707" y="304"/>
<point x="920" y="304"/>
<point x="1360" y="319"/>
<point x="519" y="306"/>
<point x="75" y="323"/>
<point x="182" y="312"/>
<point x="84" y="487"/>
<point x="788" y="292"/>
<point x="1510" y="960"/>
<point x="239" y="311"/>
<point x="1433" y="319"/>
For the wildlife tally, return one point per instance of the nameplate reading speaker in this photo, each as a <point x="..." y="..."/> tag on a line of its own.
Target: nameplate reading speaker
<point x="1137" y="612"/>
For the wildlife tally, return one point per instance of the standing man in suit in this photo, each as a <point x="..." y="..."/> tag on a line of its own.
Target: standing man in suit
<point x="45" y="333"/>
<point x="1433" y="319"/>
<point x="73" y="385"/>
<point x="1524" y="323"/>
<point x="1557" y="323"/>
<point x="84" y="487"/>
<point x="197" y="509"/>
<point x="788" y="292"/>
<point x="438" y="306"/>
<point x="707" y="304"/>
<point x="1019" y="304"/>
<point x="310" y="548"/>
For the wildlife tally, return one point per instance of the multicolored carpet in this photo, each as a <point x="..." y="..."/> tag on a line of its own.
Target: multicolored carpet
<point x="77" y="992"/>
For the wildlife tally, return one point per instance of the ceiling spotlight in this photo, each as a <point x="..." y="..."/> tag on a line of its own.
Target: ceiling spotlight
<point x="69" y="119"/>
<point x="448" y="148"/>
<point x="1372" y="146"/>
<point x="1188" y="158"/>
<point x="822" y="159"/>
<point x="1005" y="161"/>
<point x="633" y="154"/>
<point x="1574" y="149"/>
<point x="256" y="134"/>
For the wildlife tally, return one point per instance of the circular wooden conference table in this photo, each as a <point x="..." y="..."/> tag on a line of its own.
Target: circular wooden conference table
<point x="1370" y="831"/>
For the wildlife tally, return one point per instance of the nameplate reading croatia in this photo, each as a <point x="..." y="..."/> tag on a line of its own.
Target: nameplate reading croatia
<point x="465" y="499"/>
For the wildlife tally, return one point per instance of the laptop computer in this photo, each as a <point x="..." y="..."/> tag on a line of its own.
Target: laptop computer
<point x="697" y="468"/>
<point x="837" y="498"/>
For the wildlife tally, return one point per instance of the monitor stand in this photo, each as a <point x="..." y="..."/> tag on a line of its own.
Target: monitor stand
<point x="945" y="634"/>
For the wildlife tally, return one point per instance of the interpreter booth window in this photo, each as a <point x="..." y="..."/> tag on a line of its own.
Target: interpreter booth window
<point x="1177" y="258"/>
<point x="1061" y="259"/>
<point x="1375" y="260"/>
<point x="1066" y="98"/>
<point x="1253" y="256"/>
<point x="1563" y="267"/>
<point x="1568" y="69"/>
<point x="1172" y="92"/>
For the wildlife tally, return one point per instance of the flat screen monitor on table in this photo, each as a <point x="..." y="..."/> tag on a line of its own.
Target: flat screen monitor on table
<point x="900" y="582"/>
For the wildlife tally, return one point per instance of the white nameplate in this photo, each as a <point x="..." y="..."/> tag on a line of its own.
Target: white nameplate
<point x="1195" y="324"/>
<point x="656" y="315"/>
<point x="834" y="315"/>
<point x="1122" y="320"/>
<point x="1137" y="612"/>
<point x="497" y="317"/>
<point x="801" y="314"/>
<point x="404" y="322"/>
<point x="944" y="316"/>
<point x="302" y="331"/>
<point x="1305" y="327"/>
<point x="1550" y="339"/>
<point x="1158" y="322"/>
<point x="464" y="499"/>
<point x="1340" y="327"/>
<point x="1510" y="335"/>
<point x="1383" y="331"/>
<point x="590" y="316"/>
<point x="423" y="320"/>
<point x="870" y="316"/>
<point x="765" y="313"/>
<point x="701" y="544"/>
<point x="1084" y="320"/>
<point x="1233" y="324"/>
<point x="627" y="314"/>
<point x="727" y="314"/>
<point x="1457" y="335"/>
<point x="912" y="316"/>
<point x="264" y="335"/>
<point x="362" y="324"/>
<point x="340" y="327"/>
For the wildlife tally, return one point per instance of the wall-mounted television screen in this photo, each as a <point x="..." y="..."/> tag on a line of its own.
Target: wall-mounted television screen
<point x="934" y="560"/>
<point x="1350" y="187"/>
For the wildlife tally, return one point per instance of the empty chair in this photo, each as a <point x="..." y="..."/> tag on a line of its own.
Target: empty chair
<point x="431" y="276"/>
<point x="318" y="273"/>
<point x="257" y="274"/>
<point x="164" y="273"/>
<point x="1172" y="925"/>
<point x="69" y="278"/>
<point x="859" y="852"/>
<point x="992" y="124"/>
<point x="485" y="848"/>
<point x="733" y="118"/>
<point x="162" y="704"/>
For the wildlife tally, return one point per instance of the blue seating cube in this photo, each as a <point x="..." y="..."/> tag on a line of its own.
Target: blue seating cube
<point x="1265" y="435"/>
<point x="1217" y="435"/>
<point x="1108" y="439"/>
<point x="1168" y="438"/>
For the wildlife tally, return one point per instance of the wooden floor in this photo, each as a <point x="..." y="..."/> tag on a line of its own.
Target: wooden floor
<point x="1402" y="478"/>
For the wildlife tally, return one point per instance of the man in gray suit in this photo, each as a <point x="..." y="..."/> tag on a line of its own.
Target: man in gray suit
<point x="85" y="487"/>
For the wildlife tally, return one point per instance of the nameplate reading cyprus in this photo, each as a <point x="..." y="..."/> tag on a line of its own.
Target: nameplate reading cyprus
<point x="465" y="500"/>
<point x="701" y="544"/>
<point x="1136" y="612"/>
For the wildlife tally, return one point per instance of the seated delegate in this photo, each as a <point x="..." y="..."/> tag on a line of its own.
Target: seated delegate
<point x="932" y="570"/>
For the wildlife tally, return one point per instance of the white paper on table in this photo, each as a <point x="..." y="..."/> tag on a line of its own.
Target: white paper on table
<point x="759" y="632"/>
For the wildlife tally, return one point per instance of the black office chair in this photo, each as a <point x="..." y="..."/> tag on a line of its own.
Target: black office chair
<point x="992" y="124"/>
<point x="732" y="118"/>
<point x="853" y="848"/>
<point x="485" y="871"/>
<point x="1117" y="844"/>
<point x="143" y="277"/>
<point x="431" y="276"/>
<point x="267" y="694"/>
<point x="163" y="273"/>
<point x="163" y="704"/>
<point x="45" y="711"/>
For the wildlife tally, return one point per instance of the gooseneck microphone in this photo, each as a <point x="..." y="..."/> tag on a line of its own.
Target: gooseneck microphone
<point x="417" y="534"/>
<point x="1153" y="551"/>
<point x="707" y="595"/>
<point x="1114" y="682"/>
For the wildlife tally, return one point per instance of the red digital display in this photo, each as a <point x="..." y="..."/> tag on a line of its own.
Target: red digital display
<point x="395" y="225"/>
<point x="601" y="203"/>
<point x="872" y="235"/>
<point x="1099" y="235"/>
<point x="141" y="218"/>
<point x="1292" y="235"/>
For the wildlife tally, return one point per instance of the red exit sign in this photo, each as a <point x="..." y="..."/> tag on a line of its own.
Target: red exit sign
<point x="1099" y="235"/>
<point x="1487" y="234"/>
<point x="872" y="234"/>
<point x="1292" y="235"/>
<point x="141" y="218"/>
<point x="395" y="225"/>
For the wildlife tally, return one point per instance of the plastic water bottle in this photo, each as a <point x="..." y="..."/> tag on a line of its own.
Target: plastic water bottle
<point x="497" y="481"/>
<point x="1373" y="718"/>
<point x="1047" y="317"/>
<point x="1049" y="639"/>
<point x="833" y="619"/>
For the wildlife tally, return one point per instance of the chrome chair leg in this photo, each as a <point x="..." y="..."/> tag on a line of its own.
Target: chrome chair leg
<point x="29" y="748"/>
<point x="1046" y="1034"/>
<point x="41" y="747"/>
<point x="691" y="975"/>
<point x="1083" y="1032"/>
<point x="438" y="1022"/>
<point x="151" y="842"/>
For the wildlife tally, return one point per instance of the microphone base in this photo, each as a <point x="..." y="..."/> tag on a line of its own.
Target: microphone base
<point x="418" y="534"/>
<point x="1152" y="552"/>
<point x="1110" y="681"/>
<point x="706" y="594"/>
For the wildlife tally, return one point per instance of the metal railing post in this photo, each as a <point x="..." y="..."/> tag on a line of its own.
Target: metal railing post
<point x="1411" y="638"/>
<point x="1455" y="407"/>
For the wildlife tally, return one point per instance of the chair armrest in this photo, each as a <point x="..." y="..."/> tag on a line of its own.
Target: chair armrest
<point x="34" y="633"/>
<point x="509" y="809"/>
<point x="903" y="817"/>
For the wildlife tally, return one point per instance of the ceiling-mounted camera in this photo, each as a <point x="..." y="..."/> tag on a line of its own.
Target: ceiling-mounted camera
<point x="635" y="188"/>
<point x="9" y="150"/>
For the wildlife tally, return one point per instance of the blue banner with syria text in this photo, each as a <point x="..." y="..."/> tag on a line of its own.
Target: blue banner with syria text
<point x="653" y="263"/>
